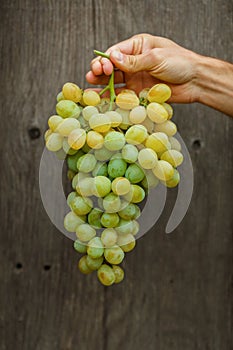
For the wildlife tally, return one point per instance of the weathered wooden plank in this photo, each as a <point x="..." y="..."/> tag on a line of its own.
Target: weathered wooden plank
<point x="177" y="293"/>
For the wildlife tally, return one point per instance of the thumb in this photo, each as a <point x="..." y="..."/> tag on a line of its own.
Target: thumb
<point x="132" y="63"/>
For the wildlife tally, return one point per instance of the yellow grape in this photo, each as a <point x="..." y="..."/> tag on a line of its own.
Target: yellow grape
<point x="175" y="158"/>
<point x="175" y="144"/>
<point x="137" y="115"/>
<point x="94" y="139"/>
<point x="68" y="125"/>
<point x="126" y="242"/>
<point x="158" y="141"/>
<point x="77" y="138"/>
<point x="163" y="170"/>
<point x="91" y="98"/>
<point x="47" y="134"/>
<point x="136" y="134"/>
<point x="88" y="111"/>
<point x="119" y="273"/>
<point x="83" y="267"/>
<point x="173" y="182"/>
<point x="115" y="117"/>
<point x="156" y="112"/>
<point x="85" y="232"/>
<point x="127" y="100"/>
<point x="121" y="186"/>
<point x="147" y="158"/>
<point x="159" y="93"/>
<point x="168" y="127"/>
<point x="100" y="122"/>
<point x="54" y="142"/>
<point x="72" y="92"/>
<point x="54" y="121"/>
<point x="128" y="91"/>
<point x="168" y="109"/>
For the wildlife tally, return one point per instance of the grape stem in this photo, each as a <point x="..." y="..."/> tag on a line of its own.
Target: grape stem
<point x="110" y="85"/>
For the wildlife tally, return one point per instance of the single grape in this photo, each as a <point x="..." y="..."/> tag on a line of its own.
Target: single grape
<point x="71" y="221"/>
<point x="102" y="154"/>
<point x="168" y="109"/>
<point x="120" y="186"/>
<point x="94" y="218"/>
<point x="72" y="92"/>
<point x="101" y="186"/>
<point x="135" y="228"/>
<point x="95" y="248"/>
<point x="175" y="143"/>
<point x="80" y="247"/>
<point x="174" y="181"/>
<point x="84" y="186"/>
<point x="54" y="142"/>
<point x="91" y="98"/>
<point x="82" y="265"/>
<point x="117" y="167"/>
<point x="163" y="170"/>
<point x="175" y="158"/>
<point x="81" y="205"/>
<point x="115" y="117"/>
<point x="109" y="220"/>
<point x="88" y="112"/>
<point x="101" y="169"/>
<point x="68" y="125"/>
<point x="54" y="121"/>
<point x="127" y="100"/>
<point x="67" y="109"/>
<point x="60" y="96"/>
<point x="124" y="227"/>
<point x="147" y="158"/>
<point x="72" y="160"/>
<point x="130" y="153"/>
<point x="125" y="118"/>
<point x="77" y="138"/>
<point x="137" y="115"/>
<point x="106" y="275"/>
<point x="126" y="242"/>
<point x="119" y="273"/>
<point x="156" y="112"/>
<point x="129" y="212"/>
<point x="94" y="264"/>
<point x="114" y="255"/>
<point x="114" y="140"/>
<point x="95" y="139"/>
<point x="134" y="173"/>
<point x="159" y="93"/>
<point x="86" y="163"/>
<point x="135" y="195"/>
<point x="136" y="134"/>
<point x="168" y="127"/>
<point x="100" y="122"/>
<point x="85" y="232"/>
<point x="109" y="237"/>
<point x="47" y="134"/>
<point x="70" y="197"/>
<point x="111" y="203"/>
<point x="158" y="141"/>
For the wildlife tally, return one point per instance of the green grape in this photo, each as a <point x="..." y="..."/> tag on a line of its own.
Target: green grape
<point x="95" y="248"/>
<point x="100" y="122"/>
<point x="101" y="169"/>
<point x="70" y="174"/>
<point x="85" y="232"/>
<point x="100" y="203"/>
<point x="91" y="98"/>
<point x="119" y="273"/>
<point x="116" y="118"/>
<point x="89" y="111"/>
<point x="60" y="96"/>
<point x="150" y="180"/>
<point x="126" y="242"/>
<point x="136" y="194"/>
<point x="114" y="255"/>
<point x="81" y="205"/>
<point x="84" y="186"/>
<point x="94" y="264"/>
<point x="68" y="125"/>
<point x="125" y="118"/>
<point x="137" y="115"/>
<point x="147" y="158"/>
<point x="94" y="139"/>
<point x="130" y="153"/>
<point x="173" y="182"/>
<point x="94" y="218"/>
<point x="158" y="141"/>
<point x="168" y="127"/>
<point x="159" y="93"/>
<point x="134" y="173"/>
<point x="163" y="170"/>
<point x="72" y="221"/>
<point x="175" y="158"/>
<point x="109" y="220"/>
<point x="135" y="228"/>
<point x="67" y="149"/>
<point x="54" y="142"/>
<point x="86" y="148"/>
<point x="72" y="92"/>
<point x="54" y="121"/>
<point x="114" y="140"/>
<point x="72" y="160"/>
<point x="127" y="100"/>
<point x="80" y="247"/>
<point x="106" y="275"/>
<point x="117" y="167"/>
<point x="109" y="237"/>
<point x="120" y="186"/>
<point x="70" y="197"/>
<point x="82" y="265"/>
<point x="156" y="112"/>
<point x="86" y="163"/>
<point x="67" y="109"/>
<point x="101" y="186"/>
<point x="124" y="227"/>
<point x="102" y="154"/>
<point x="77" y="138"/>
<point x="136" y="134"/>
<point x="129" y="212"/>
<point x="111" y="203"/>
<point x="175" y="143"/>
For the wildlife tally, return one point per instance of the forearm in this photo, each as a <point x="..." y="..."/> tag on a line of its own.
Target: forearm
<point x="215" y="84"/>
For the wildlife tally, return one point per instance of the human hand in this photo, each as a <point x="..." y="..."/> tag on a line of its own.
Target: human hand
<point x="145" y="60"/>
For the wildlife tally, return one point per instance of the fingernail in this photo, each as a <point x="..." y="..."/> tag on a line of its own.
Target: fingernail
<point x="117" y="55"/>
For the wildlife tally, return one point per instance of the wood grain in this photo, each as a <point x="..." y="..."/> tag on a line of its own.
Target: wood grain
<point x="178" y="288"/>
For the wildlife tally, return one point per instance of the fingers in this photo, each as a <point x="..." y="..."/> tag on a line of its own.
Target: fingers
<point x="103" y="79"/>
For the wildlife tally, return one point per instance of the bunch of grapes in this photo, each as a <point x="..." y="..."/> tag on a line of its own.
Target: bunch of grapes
<point x="116" y="149"/>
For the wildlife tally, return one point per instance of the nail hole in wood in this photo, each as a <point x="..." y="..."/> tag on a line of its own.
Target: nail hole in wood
<point x="47" y="267"/>
<point x="34" y="133"/>
<point x="196" y="144"/>
<point x="19" y="266"/>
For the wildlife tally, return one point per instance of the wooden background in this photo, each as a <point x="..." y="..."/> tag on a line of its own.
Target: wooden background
<point x="177" y="294"/>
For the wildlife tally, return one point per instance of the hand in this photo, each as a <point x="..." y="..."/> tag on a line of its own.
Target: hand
<point x="145" y="60"/>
